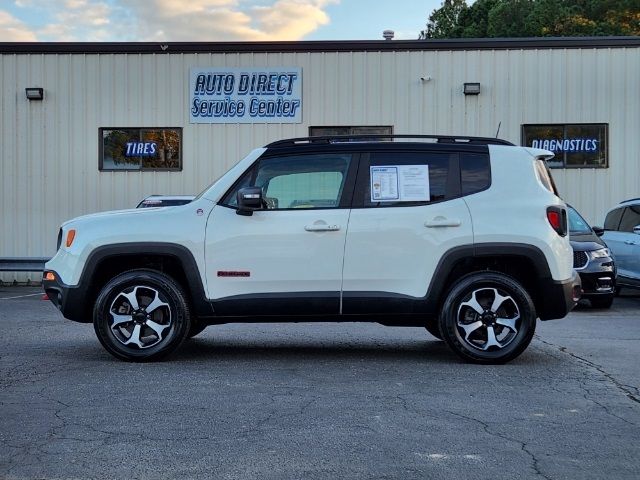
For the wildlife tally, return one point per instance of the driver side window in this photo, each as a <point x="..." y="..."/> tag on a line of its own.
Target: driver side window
<point x="296" y="181"/>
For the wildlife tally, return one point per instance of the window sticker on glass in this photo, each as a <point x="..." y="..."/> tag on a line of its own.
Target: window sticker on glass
<point x="405" y="183"/>
<point x="384" y="184"/>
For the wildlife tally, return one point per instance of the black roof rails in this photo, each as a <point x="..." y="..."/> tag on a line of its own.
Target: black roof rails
<point x="630" y="200"/>
<point x="461" y="139"/>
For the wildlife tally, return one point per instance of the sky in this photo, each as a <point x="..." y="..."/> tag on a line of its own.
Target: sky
<point x="209" y="20"/>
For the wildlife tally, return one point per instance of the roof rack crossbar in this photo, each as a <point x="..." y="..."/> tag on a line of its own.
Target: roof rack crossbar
<point x="328" y="139"/>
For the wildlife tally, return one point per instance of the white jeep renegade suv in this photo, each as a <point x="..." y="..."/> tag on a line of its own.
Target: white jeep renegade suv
<point x="464" y="236"/>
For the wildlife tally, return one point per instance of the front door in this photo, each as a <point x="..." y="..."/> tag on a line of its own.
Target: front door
<point x="287" y="257"/>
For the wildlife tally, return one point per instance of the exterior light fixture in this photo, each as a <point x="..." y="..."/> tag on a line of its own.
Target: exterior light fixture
<point x="472" y="88"/>
<point x="34" y="93"/>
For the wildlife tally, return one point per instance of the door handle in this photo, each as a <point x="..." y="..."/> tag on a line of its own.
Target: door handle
<point x="442" y="222"/>
<point x="322" y="228"/>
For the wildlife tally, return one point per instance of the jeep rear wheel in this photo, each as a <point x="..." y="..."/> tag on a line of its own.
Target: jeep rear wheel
<point x="141" y="315"/>
<point x="488" y="317"/>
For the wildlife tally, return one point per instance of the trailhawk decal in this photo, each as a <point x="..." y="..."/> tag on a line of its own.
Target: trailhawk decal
<point x="232" y="273"/>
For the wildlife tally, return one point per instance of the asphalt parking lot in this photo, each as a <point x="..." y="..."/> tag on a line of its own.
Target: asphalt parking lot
<point x="306" y="401"/>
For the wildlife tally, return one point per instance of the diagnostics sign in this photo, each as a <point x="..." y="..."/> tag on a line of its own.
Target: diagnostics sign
<point x="246" y="95"/>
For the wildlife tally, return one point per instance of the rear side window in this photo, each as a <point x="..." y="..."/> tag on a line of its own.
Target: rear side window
<point x="630" y="219"/>
<point x="613" y="219"/>
<point x="404" y="179"/>
<point x="475" y="172"/>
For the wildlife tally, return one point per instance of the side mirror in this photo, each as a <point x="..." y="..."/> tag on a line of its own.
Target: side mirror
<point x="249" y="199"/>
<point x="636" y="229"/>
<point x="599" y="231"/>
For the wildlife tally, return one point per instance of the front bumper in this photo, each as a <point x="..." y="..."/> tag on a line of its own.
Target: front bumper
<point x="559" y="297"/>
<point x="71" y="301"/>
<point x="598" y="278"/>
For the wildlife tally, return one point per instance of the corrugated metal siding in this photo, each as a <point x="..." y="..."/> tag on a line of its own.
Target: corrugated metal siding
<point x="49" y="150"/>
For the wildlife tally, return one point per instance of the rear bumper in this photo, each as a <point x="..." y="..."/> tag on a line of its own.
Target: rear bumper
<point x="71" y="301"/>
<point x="559" y="297"/>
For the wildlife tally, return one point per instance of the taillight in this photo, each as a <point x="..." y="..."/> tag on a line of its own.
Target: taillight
<point x="557" y="217"/>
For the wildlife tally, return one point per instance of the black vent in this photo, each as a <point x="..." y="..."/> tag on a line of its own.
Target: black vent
<point x="580" y="259"/>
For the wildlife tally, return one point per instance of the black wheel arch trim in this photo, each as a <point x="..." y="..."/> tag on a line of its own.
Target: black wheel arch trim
<point x="449" y="260"/>
<point x="74" y="299"/>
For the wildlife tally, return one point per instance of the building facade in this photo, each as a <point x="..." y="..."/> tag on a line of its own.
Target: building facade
<point x="114" y="123"/>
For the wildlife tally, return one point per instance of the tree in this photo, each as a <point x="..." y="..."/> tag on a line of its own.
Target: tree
<point x="444" y="21"/>
<point x="533" y="18"/>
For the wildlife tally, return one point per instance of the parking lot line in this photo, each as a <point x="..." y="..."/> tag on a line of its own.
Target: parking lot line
<point x="21" y="296"/>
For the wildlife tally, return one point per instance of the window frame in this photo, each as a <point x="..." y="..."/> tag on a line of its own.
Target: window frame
<point x="141" y="169"/>
<point x="350" y="127"/>
<point x="564" y="154"/>
<point x="346" y="197"/>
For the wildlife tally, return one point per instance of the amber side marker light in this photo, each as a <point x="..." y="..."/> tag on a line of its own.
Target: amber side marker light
<point x="49" y="276"/>
<point x="71" y="234"/>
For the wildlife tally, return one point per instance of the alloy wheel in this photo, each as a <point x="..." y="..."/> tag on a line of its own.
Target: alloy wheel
<point x="488" y="319"/>
<point x="139" y="317"/>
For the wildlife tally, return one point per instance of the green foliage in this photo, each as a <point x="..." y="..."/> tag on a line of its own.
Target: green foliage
<point x="533" y="18"/>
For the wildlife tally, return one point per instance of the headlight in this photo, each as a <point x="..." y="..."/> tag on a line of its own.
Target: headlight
<point x="601" y="253"/>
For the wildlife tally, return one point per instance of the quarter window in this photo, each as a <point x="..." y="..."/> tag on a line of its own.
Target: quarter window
<point x="475" y="172"/>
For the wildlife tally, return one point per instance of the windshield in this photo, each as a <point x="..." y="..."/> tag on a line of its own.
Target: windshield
<point x="577" y="224"/>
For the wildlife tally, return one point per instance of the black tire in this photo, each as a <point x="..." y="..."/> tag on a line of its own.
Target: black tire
<point x="160" y="331"/>
<point x="517" y="309"/>
<point x="433" y="328"/>
<point x="602" y="302"/>
<point x="196" y="328"/>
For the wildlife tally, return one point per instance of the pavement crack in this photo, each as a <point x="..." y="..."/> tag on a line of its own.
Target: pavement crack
<point x="535" y="463"/>
<point x="625" y="389"/>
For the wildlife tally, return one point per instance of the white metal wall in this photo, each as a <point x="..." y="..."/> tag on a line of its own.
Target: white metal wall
<point x="49" y="149"/>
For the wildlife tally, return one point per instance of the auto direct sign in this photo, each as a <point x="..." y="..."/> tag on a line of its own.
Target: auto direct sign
<point x="246" y="95"/>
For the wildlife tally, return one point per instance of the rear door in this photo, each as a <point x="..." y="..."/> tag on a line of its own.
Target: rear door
<point x="399" y="230"/>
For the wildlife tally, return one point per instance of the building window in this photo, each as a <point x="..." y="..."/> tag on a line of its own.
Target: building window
<point x="361" y="130"/>
<point x="582" y="145"/>
<point x="140" y="149"/>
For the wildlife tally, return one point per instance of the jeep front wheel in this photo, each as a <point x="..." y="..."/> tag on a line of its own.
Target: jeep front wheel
<point x="488" y="317"/>
<point x="141" y="315"/>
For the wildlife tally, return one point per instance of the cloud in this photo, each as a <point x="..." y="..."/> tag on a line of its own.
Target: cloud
<point x="13" y="30"/>
<point x="218" y="20"/>
<point x="290" y="19"/>
<point x="171" y="20"/>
